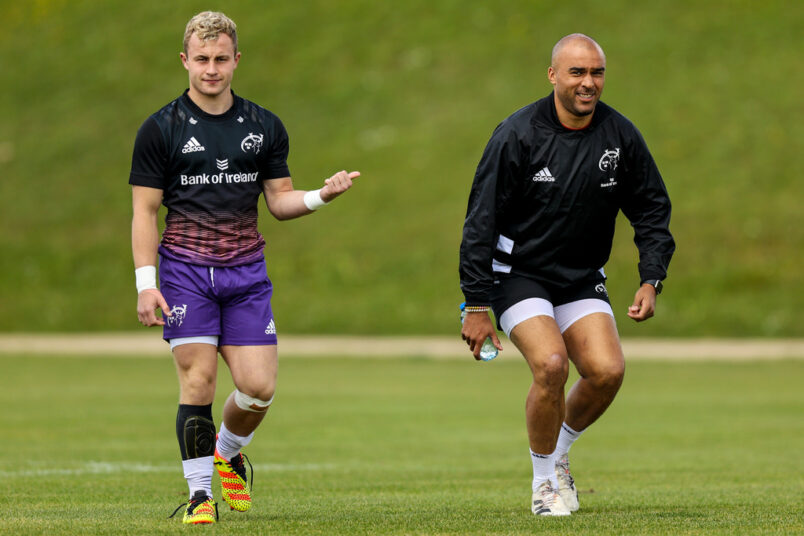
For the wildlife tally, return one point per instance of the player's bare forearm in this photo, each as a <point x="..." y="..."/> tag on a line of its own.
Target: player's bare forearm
<point x="144" y="244"/>
<point x="285" y="203"/>
<point x="144" y="241"/>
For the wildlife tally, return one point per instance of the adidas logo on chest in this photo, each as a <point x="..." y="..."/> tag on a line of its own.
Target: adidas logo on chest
<point x="192" y="146"/>
<point x="543" y="175"/>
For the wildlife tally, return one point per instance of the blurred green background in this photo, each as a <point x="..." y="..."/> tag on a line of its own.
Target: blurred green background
<point x="408" y="93"/>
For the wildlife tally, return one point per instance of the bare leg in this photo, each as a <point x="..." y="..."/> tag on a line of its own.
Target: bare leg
<point x="196" y="368"/>
<point x="254" y="370"/>
<point x="594" y="347"/>
<point x="540" y="342"/>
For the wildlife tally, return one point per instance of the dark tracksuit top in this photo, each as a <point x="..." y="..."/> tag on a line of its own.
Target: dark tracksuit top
<point x="545" y="199"/>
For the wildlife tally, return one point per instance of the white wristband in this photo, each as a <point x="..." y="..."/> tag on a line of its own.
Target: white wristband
<point x="146" y="278"/>
<point x="313" y="201"/>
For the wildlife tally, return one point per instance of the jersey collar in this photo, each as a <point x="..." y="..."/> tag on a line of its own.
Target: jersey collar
<point x="193" y="108"/>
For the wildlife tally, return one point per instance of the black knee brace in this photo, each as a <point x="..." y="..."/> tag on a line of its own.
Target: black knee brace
<point x="196" y="431"/>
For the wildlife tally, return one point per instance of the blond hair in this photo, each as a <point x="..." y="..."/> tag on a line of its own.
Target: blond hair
<point x="207" y="25"/>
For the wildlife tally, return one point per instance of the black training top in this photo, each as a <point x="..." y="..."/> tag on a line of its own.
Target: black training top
<point x="211" y="169"/>
<point x="545" y="198"/>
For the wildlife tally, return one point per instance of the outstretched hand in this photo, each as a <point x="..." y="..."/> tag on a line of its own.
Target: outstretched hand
<point x="148" y="302"/>
<point x="644" y="303"/>
<point x="337" y="184"/>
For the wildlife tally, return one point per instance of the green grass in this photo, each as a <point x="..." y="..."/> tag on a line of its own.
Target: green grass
<point x="408" y="93"/>
<point x="407" y="446"/>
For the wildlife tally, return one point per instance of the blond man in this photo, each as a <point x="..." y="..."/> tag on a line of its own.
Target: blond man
<point x="208" y="156"/>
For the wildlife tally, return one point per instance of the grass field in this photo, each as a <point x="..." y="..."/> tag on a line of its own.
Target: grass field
<point x="408" y="446"/>
<point x="408" y="93"/>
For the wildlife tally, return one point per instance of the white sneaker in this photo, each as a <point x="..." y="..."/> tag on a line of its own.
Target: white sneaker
<point x="566" y="484"/>
<point x="547" y="502"/>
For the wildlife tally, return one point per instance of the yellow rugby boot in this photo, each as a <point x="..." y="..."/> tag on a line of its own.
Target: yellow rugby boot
<point x="199" y="510"/>
<point x="235" y="487"/>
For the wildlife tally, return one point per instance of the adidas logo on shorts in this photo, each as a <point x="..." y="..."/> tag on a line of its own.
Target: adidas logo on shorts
<point x="271" y="329"/>
<point x="192" y="146"/>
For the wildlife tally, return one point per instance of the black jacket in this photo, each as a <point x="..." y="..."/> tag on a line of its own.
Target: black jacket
<point x="545" y="198"/>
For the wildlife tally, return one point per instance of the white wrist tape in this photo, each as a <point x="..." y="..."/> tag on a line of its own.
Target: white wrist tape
<point x="313" y="201"/>
<point x="146" y="278"/>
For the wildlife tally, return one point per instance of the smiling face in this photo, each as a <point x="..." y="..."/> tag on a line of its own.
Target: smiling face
<point x="210" y="64"/>
<point x="578" y="75"/>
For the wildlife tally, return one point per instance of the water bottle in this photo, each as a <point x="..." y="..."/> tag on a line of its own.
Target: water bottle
<point x="488" y="351"/>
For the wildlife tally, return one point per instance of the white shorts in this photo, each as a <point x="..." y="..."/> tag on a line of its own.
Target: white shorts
<point x="565" y="315"/>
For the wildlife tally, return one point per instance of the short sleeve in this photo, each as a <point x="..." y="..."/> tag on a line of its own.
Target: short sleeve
<point x="149" y="161"/>
<point x="275" y="165"/>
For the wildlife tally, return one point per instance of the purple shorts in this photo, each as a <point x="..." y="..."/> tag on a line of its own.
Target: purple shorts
<point x="232" y="303"/>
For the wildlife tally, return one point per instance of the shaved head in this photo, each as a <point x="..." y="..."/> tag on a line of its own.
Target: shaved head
<point x="576" y="38"/>
<point x="577" y="72"/>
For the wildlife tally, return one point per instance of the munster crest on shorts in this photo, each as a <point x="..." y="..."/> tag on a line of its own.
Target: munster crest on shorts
<point x="177" y="315"/>
<point x="600" y="288"/>
<point x="609" y="160"/>
<point x="252" y="143"/>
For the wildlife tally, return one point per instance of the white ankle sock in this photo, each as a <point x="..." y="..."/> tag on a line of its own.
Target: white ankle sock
<point x="544" y="468"/>
<point x="566" y="438"/>
<point x="198" y="472"/>
<point x="229" y="444"/>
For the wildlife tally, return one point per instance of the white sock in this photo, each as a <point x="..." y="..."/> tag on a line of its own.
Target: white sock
<point x="198" y="472"/>
<point x="544" y="469"/>
<point x="566" y="438"/>
<point x="229" y="444"/>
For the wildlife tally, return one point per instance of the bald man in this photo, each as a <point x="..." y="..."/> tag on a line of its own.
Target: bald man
<point x="537" y="234"/>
